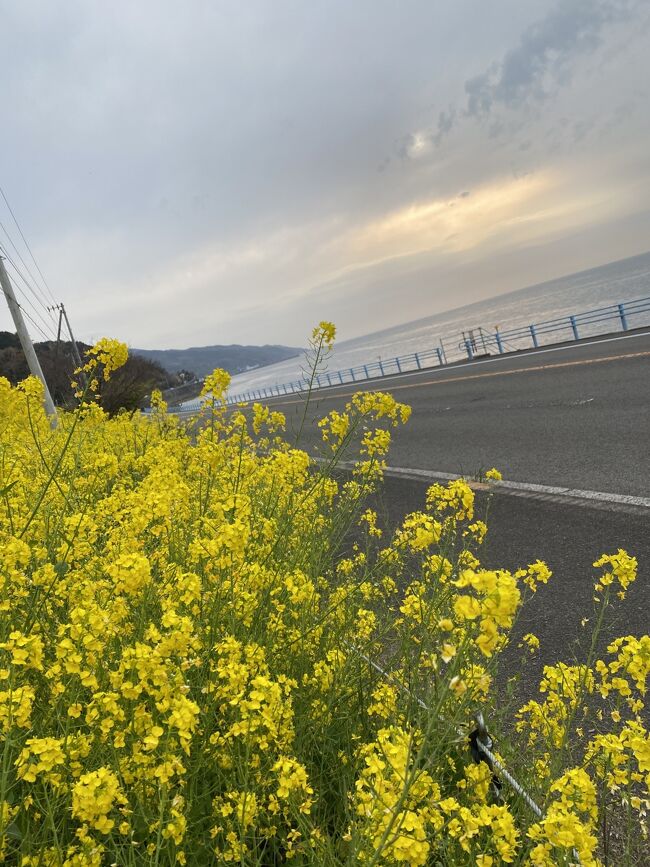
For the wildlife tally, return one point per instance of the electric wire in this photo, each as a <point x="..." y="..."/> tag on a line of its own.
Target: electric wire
<point x="26" y="314"/>
<point x="45" y="283"/>
<point x="37" y="291"/>
<point x="42" y="327"/>
<point x="47" y="325"/>
<point x="26" y="282"/>
<point x="34" y="323"/>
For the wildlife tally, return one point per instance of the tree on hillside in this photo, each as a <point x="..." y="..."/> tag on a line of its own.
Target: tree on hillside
<point x="127" y="388"/>
<point x="130" y="384"/>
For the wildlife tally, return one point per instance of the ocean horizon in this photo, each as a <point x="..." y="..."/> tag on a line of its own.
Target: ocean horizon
<point x="615" y="282"/>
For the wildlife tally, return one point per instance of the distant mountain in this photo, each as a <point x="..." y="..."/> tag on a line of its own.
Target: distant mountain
<point x="202" y="360"/>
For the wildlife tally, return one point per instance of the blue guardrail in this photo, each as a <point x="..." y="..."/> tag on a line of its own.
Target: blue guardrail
<point x="476" y="343"/>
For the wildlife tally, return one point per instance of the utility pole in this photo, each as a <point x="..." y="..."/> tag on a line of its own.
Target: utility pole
<point x="75" y="348"/>
<point x="26" y="341"/>
<point x="58" y="332"/>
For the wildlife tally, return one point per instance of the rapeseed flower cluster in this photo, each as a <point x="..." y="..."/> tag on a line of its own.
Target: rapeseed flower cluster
<point x="188" y="620"/>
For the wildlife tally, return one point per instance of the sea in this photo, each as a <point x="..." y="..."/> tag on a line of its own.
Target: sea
<point x="616" y="282"/>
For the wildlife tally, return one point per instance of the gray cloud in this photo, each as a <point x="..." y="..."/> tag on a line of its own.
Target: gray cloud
<point x="542" y="61"/>
<point x="202" y="172"/>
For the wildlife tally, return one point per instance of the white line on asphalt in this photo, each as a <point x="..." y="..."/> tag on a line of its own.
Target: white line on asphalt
<point x="464" y="364"/>
<point x="524" y="487"/>
<point x="445" y="368"/>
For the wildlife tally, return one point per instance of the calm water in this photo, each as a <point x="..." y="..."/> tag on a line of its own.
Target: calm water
<point x="609" y="284"/>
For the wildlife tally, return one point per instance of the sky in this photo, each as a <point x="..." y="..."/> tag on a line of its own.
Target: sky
<point x="225" y="172"/>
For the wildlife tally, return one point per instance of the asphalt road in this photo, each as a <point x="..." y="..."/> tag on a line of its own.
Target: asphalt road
<point x="569" y="536"/>
<point x="574" y="416"/>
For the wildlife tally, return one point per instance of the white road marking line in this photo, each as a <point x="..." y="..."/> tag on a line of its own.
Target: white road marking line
<point x="524" y="487"/>
<point x="445" y="367"/>
<point x="336" y="393"/>
<point x="182" y="410"/>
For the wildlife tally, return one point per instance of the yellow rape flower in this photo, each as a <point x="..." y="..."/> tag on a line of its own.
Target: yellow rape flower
<point x="93" y="797"/>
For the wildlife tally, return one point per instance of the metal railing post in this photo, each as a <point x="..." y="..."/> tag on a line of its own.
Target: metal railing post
<point x="329" y="380"/>
<point x="365" y="368"/>
<point x="574" y="327"/>
<point x="499" y="341"/>
<point x="621" y="313"/>
<point x="399" y="366"/>
<point x="468" y="348"/>
<point x="354" y="379"/>
<point x="439" y="354"/>
<point x="340" y="377"/>
<point x="417" y="360"/>
<point x="533" y="334"/>
<point x="381" y="367"/>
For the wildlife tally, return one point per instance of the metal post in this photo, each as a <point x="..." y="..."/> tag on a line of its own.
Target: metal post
<point x="26" y="341"/>
<point x="329" y="381"/>
<point x="468" y="347"/>
<point x="533" y="334"/>
<point x="574" y="326"/>
<point x="417" y="360"/>
<point x="365" y="368"/>
<point x="354" y="379"/>
<point x="381" y="367"/>
<point x="439" y="354"/>
<point x="499" y="340"/>
<point x="75" y="348"/>
<point x="621" y="313"/>
<point x="444" y="354"/>
<point x="58" y="331"/>
<point x="340" y="377"/>
<point x="399" y="366"/>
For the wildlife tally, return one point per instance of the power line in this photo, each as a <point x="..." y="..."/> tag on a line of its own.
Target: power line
<point x="24" y="279"/>
<point x="27" y="245"/>
<point x="26" y="342"/>
<point x="34" y="323"/>
<point x="43" y="299"/>
<point x="25" y="313"/>
<point x="46" y="325"/>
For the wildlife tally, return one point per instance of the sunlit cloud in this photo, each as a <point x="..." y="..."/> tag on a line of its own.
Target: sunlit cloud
<point x="279" y="169"/>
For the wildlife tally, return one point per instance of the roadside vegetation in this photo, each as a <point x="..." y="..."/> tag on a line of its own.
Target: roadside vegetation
<point x="210" y="653"/>
<point x="128" y="389"/>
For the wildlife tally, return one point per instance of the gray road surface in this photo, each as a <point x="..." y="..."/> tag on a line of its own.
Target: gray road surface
<point x="569" y="537"/>
<point x="575" y="416"/>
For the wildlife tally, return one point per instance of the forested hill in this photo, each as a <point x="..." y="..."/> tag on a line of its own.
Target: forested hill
<point x="202" y="360"/>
